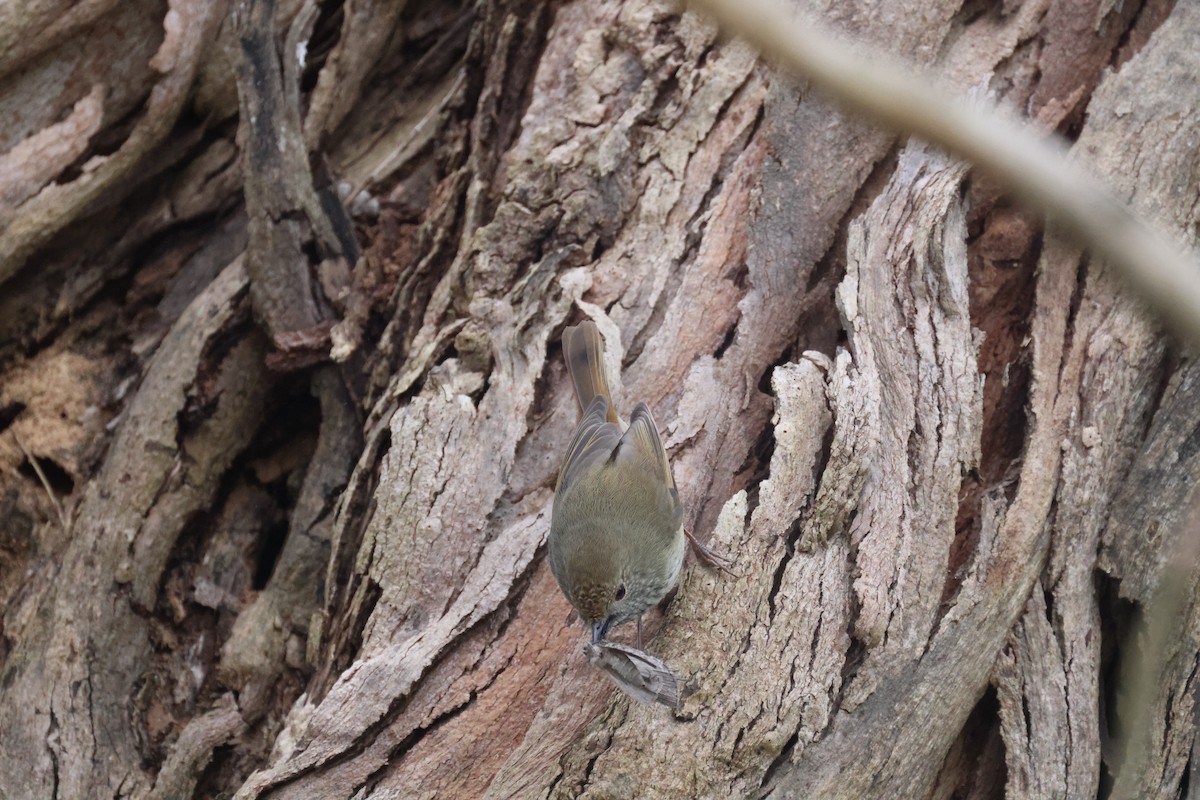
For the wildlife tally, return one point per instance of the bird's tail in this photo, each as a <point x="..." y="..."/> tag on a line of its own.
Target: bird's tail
<point x="584" y="350"/>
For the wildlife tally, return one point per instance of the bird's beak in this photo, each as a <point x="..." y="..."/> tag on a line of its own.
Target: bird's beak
<point x="598" y="630"/>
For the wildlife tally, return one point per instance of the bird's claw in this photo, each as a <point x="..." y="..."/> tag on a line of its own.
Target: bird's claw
<point x="709" y="556"/>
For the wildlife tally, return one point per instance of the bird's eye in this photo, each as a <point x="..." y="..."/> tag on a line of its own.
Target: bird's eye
<point x="621" y="592"/>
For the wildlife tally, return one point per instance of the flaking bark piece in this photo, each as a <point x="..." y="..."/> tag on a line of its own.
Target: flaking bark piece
<point x="640" y="675"/>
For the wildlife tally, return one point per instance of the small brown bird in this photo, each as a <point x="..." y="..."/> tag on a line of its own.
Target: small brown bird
<point x="616" y="535"/>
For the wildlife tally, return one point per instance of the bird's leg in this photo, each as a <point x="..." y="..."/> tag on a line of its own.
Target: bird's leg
<point x="710" y="556"/>
<point x="639" y="633"/>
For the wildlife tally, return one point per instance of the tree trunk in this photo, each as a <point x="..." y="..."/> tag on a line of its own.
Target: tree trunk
<point x="283" y="402"/>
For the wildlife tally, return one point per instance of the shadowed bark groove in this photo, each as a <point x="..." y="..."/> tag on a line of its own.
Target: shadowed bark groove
<point x="282" y="403"/>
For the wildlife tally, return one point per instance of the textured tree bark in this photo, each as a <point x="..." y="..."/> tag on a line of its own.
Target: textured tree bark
<point x="282" y="403"/>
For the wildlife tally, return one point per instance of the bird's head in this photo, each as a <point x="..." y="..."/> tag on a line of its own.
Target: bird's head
<point x="593" y="572"/>
<point x="601" y="603"/>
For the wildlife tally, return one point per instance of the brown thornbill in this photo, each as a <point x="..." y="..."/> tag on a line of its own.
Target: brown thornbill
<point x="616" y="535"/>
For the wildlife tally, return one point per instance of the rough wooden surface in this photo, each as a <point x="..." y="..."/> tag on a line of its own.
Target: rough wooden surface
<point x="281" y="403"/>
<point x="1117" y="368"/>
<point x="81" y="670"/>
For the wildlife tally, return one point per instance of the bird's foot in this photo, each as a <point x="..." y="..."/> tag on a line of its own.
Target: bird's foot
<point x="709" y="556"/>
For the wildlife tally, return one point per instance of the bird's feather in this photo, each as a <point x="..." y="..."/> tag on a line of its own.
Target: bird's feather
<point x="594" y="441"/>
<point x="641" y="445"/>
<point x="584" y="351"/>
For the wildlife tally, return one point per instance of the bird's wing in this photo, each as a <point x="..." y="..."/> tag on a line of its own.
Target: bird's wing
<point x="641" y="444"/>
<point x="593" y="444"/>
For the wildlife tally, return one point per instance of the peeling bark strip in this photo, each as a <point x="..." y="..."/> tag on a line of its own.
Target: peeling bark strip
<point x="287" y="220"/>
<point x="258" y="595"/>
<point x="904" y="307"/>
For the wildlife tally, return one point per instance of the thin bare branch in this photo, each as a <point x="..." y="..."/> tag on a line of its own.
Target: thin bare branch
<point x="37" y="468"/>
